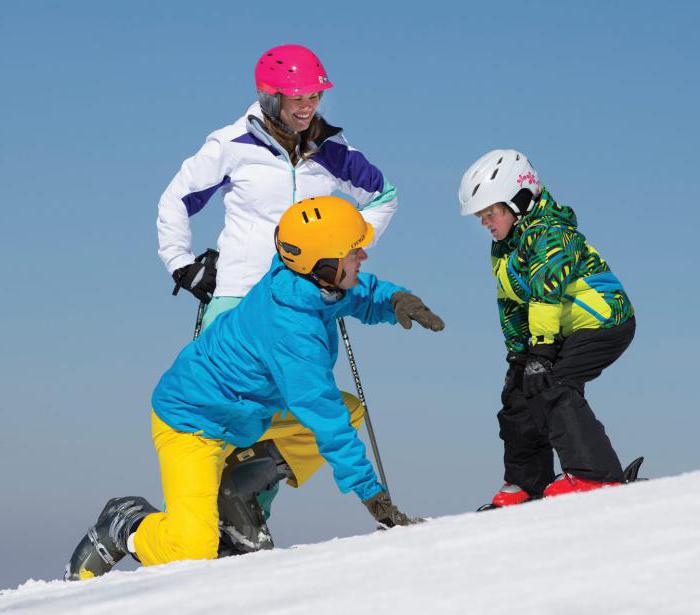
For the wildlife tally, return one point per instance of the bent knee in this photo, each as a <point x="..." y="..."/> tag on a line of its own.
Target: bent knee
<point x="197" y="542"/>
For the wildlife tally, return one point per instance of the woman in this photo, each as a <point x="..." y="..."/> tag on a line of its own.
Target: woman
<point x="275" y="350"/>
<point x="565" y="318"/>
<point x="279" y="152"/>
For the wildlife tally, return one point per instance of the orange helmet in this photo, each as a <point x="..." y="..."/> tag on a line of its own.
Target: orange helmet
<point x="318" y="232"/>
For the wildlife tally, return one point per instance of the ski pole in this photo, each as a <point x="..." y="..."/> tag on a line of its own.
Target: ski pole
<point x="361" y="395"/>
<point x="200" y="317"/>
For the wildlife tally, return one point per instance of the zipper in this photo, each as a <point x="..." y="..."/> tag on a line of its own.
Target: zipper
<point x="283" y="152"/>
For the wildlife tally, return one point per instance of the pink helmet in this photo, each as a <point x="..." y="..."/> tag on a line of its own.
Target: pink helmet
<point x="291" y="70"/>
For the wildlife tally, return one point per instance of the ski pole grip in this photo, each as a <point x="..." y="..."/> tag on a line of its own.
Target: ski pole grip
<point x="208" y="259"/>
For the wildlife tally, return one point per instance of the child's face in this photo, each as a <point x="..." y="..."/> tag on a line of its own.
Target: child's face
<point x="498" y="219"/>
<point x="351" y="265"/>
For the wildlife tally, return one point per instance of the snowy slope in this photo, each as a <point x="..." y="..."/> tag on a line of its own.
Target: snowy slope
<point x="628" y="550"/>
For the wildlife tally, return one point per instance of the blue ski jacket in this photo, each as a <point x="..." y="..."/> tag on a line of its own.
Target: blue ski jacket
<point x="276" y="351"/>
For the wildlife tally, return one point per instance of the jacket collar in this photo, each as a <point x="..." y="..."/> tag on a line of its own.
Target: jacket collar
<point x="296" y="291"/>
<point x="255" y="125"/>
<point x="546" y="210"/>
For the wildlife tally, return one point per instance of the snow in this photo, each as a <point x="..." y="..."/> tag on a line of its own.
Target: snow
<point x="628" y="550"/>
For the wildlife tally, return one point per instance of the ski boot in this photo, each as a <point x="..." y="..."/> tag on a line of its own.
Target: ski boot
<point x="248" y="472"/>
<point x="568" y="483"/>
<point x="105" y="542"/>
<point x="508" y="495"/>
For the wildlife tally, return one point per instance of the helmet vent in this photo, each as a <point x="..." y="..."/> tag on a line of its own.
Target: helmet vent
<point x="493" y="175"/>
<point x="306" y="218"/>
<point x="318" y="213"/>
<point x="500" y="160"/>
<point x="517" y="156"/>
<point x="475" y="189"/>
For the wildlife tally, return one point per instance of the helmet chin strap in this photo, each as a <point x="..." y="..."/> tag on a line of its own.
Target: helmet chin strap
<point x="271" y="105"/>
<point x="328" y="273"/>
<point x="522" y="202"/>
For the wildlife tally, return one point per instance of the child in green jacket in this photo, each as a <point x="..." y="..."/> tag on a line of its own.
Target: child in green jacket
<point x="565" y="317"/>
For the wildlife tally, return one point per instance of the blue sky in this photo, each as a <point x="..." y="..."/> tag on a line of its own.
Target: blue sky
<point x="102" y="101"/>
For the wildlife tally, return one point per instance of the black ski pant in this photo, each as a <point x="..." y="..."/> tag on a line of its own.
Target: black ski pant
<point x="560" y="418"/>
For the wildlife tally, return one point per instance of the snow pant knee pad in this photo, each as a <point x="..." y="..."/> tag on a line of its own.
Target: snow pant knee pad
<point x="196" y="540"/>
<point x="166" y="537"/>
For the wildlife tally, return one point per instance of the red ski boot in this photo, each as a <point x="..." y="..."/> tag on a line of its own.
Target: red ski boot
<point x="568" y="483"/>
<point x="509" y="495"/>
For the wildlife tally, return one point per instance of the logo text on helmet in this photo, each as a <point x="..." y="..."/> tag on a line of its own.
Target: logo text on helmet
<point x="528" y="177"/>
<point x="356" y="243"/>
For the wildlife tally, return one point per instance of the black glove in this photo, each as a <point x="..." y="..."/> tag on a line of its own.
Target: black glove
<point x="539" y="369"/>
<point x="198" y="277"/>
<point x="514" y="375"/>
<point x="408" y="307"/>
<point x="383" y="510"/>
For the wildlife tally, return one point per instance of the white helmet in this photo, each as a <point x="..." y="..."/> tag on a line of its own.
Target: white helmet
<point x="501" y="176"/>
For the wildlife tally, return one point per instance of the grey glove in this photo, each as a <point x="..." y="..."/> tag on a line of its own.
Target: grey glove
<point x="385" y="512"/>
<point x="539" y="369"/>
<point x="408" y="307"/>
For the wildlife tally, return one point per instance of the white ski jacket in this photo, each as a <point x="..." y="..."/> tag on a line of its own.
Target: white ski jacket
<point x="259" y="183"/>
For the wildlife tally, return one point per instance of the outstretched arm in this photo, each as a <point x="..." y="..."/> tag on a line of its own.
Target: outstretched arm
<point x="373" y="301"/>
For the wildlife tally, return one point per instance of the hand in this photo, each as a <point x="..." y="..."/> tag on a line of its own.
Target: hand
<point x="539" y="369"/>
<point x="514" y="375"/>
<point x="383" y="510"/>
<point x="199" y="277"/>
<point x="408" y="307"/>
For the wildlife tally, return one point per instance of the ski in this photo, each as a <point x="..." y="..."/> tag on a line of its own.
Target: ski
<point x="630" y="475"/>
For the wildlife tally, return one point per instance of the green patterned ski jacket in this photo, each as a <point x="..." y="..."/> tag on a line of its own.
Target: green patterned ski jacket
<point x="551" y="282"/>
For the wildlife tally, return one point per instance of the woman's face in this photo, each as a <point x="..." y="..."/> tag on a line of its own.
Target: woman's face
<point x="498" y="219"/>
<point x="296" y="112"/>
<point x="351" y="265"/>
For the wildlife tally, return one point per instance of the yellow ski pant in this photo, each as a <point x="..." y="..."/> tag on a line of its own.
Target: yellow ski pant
<point x="190" y="470"/>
